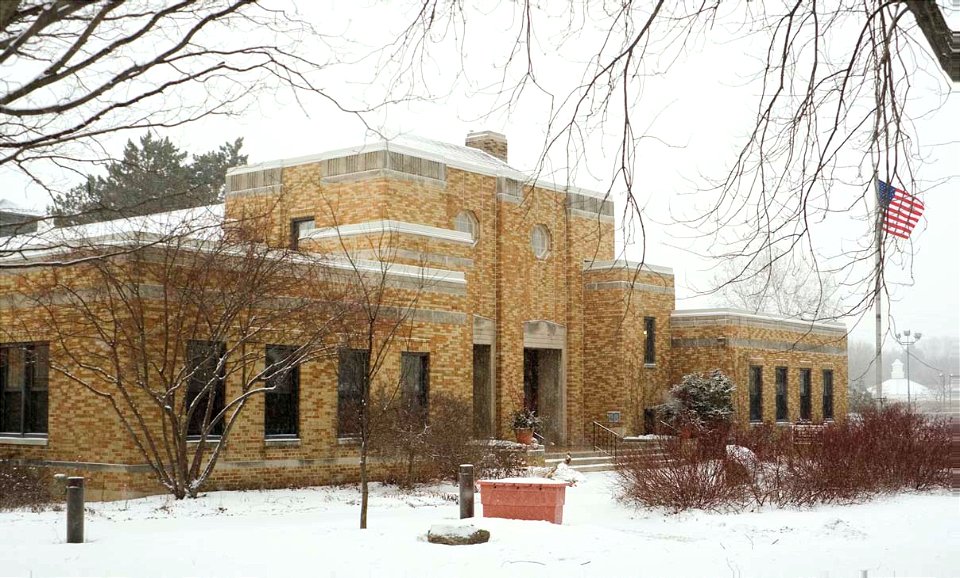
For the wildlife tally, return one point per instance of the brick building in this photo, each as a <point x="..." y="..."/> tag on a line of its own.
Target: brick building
<point x="522" y="302"/>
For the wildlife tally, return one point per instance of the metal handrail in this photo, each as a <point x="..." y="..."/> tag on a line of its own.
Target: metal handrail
<point x="605" y="439"/>
<point x="540" y="439"/>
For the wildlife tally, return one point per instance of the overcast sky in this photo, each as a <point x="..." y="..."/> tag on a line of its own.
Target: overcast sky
<point x="698" y="110"/>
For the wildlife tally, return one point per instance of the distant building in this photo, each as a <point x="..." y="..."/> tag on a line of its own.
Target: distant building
<point x="898" y="389"/>
<point x="16" y="220"/>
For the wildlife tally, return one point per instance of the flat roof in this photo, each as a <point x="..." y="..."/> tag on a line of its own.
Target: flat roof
<point x="457" y="156"/>
<point x="799" y="324"/>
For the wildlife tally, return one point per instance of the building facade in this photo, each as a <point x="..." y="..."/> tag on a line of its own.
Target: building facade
<point x="521" y="302"/>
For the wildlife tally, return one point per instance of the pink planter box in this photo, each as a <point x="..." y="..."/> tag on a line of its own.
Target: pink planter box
<point x="523" y="499"/>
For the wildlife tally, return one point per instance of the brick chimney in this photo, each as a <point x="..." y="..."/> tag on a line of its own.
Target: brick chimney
<point x="492" y="143"/>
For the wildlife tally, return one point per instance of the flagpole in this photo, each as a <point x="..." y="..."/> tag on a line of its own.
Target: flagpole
<point x="877" y="291"/>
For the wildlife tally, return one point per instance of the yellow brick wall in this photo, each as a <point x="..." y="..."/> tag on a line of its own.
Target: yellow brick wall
<point x="602" y="314"/>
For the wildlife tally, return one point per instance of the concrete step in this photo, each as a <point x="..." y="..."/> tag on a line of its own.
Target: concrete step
<point x="573" y="453"/>
<point x="596" y="468"/>
<point x="581" y="460"/>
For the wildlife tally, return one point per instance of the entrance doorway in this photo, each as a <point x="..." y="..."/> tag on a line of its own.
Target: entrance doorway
<point x="541" y="390"/>
<point x="482" y="392"/>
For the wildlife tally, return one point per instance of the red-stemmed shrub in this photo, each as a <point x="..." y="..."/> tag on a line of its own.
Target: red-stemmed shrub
<point x="887" y="450"/>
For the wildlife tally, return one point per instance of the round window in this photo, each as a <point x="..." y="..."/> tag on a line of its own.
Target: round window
<point x="540" y="241"/>
<point x="466" y="222"/>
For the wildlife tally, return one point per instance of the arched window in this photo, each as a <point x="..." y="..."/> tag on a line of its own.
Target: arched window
<point x="540" y="241"/>
<point x="466" y="222"/>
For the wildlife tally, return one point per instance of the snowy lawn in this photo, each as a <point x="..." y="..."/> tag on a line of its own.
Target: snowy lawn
<point x="312" y="532"/>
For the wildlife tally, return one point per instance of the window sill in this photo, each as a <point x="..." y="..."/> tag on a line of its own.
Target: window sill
<point x="281" y="442"/>
<point x="784" y="423"/>
<point x="348" y="441"/>
<point x="650" y="365"/>
<point x="23" y="440"/>
<point x="209" y="440"/>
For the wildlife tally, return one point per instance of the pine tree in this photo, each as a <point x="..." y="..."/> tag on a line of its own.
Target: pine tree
<point x="151" y="177"/>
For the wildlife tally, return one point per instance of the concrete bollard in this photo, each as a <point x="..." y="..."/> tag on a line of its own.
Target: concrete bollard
<point x="466" y="491"/>
<point x="75" y="510"/>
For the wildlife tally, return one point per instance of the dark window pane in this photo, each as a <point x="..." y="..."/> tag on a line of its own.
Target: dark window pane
<point x="24" y="369"/>
<point x="10" y="414"/>
<point x="36" y="401"/>
<point x="415" y="368"/>
<point x="205" y="385"/>
<point x="782" y="394"/>
<point x="827" y="394"/>
<point x="650" y="329"/>
<point x="351" y="385"/>
<point x="756" y="393"/>
<point x="298" y="228"/>
<point x="805" y="394"/>
<point x="281" y="416"/>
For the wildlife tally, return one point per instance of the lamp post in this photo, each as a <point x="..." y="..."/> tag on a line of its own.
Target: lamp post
<point x="906" y="340"/>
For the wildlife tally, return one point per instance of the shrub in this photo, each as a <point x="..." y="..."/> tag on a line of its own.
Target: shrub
<point x="25" y="487"/>
<point x="699" y="401"/>
<point x="886" y="450"/>
<point x="680" y="475"/>
<point x="415" y="450"/>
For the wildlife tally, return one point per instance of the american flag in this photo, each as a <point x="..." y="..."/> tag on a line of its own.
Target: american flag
<point x="901" y="210"/>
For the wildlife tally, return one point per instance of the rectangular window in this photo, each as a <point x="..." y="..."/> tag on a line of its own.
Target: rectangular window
<point x="206" y="384"/>
<point x="415" y="377"/>
<point x="650" y="347"/>
<point x="351" y="386"/>
<point x="805" y="394"/>
<point x="827" y="394"/>
<point x="24" y="371"/>
<point x="782" y="413"/>
<point x="299" y="228"/>
<point x="756" y="393"/>
<point x="282" y="401"/>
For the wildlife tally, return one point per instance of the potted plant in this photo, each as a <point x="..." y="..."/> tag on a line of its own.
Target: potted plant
<point x="525" y="422"/>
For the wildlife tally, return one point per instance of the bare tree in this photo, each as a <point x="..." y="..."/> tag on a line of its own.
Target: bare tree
<point x="171" y="336"/>
<point x="76" y="73"/>
<point x="381" y="298"/>
<point x="833" y="111"/>
<point x="782" y="286"/>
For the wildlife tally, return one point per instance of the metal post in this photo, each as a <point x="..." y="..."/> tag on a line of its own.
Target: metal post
<point x="75" y="510"/>
<point x="466" y="491"/>
<point x="909" y="403"/>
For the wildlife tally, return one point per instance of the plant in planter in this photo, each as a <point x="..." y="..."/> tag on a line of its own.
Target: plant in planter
<point x="525" y="422"/>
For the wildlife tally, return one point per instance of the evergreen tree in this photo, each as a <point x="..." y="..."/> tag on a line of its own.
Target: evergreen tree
<point x="151" y="177"/>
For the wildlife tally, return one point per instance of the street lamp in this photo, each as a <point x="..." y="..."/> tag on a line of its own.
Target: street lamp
<point x="906" y="340"/>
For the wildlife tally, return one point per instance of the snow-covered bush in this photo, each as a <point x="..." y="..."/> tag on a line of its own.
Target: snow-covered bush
<point x="702" y="401"/>
<point x="704" y="398"/>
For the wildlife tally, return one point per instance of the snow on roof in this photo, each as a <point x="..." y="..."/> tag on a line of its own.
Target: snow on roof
<point x="896" y="388"/>
<point x="749" y="315"/>
<point x="457" y="156"/>
<point x="199" y="223"/>
<point x="592" y="265"/>
<point x="8" y="206"/>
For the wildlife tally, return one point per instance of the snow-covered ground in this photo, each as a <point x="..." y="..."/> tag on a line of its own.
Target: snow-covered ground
<point x="312" y="532"/>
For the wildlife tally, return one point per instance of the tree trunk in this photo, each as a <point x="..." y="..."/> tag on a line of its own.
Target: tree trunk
<point x="411" y="457"/>
<point x="364" y="489"/>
